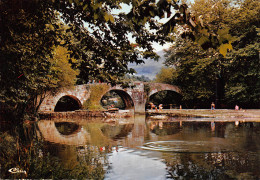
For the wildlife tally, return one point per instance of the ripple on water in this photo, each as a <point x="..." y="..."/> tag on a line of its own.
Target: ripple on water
<point x="188" y="146"/>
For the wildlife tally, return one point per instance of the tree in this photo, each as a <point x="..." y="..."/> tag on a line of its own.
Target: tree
<point x="65" y="75"/>
<point x="166" y="75"/>
<point x="30" y="62"/>
<point x="26" y="41"/>
<point x="243" y="78"/>
<point x="193" y="70"/>
<point x="206" y="76"/>
<point x="60" y="75"/>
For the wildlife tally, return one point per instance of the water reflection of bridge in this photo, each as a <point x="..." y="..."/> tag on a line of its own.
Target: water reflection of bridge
<point x="50" y="133"/>
<point x="130" y="134"/>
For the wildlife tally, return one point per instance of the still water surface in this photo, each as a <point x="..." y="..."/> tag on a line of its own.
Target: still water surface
<point x="139" y="148"/>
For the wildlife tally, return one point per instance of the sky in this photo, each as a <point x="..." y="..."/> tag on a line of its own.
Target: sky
<point x="150" y="68"/>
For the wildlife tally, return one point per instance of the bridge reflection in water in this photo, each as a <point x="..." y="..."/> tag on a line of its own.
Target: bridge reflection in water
<point x="96" y="133"/>
<point x="142" y="148"/>
<point x="51" y="133"/>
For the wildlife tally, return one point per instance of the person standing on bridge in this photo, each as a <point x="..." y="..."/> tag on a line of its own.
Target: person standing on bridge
<point x="160" y="107"/>
<point x="152" y="106"/>
<point x="212" y="106"/>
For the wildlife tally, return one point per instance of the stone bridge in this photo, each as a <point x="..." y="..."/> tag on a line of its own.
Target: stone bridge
<point x="134" y="97"/>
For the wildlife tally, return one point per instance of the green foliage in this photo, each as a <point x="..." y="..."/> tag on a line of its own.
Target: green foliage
<point x="194" y="72"/>
<point x="243" y="68"/>
<point x="22" y="52"/>
<point x="165" y="75"/>
<point x="205" y="76"/>
<point x="39" y="77"/>
<point x="211" y="18"/>
<point x="97" y="91"/>
<point x="29" y="35"/>
<point x="195" y="27"/>
<point x="64" y="75"/>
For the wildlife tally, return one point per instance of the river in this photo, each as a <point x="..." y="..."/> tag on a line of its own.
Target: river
<point x="133" y="148"/>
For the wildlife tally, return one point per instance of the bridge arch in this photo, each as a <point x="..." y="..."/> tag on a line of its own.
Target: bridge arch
<point x="168" y="98"/>
<point x="80" y="93"/>
<point x="159" y="93"/>
<point x="127" y="99"/>
<point x="157" y="87"/>
<point x="67" y="103"/>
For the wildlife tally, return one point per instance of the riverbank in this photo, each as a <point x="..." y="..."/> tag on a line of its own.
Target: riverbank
<point x="207" y="113"/>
